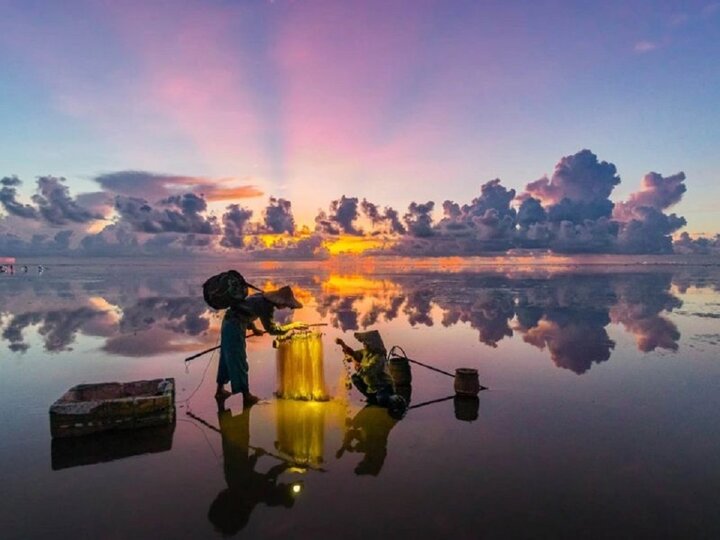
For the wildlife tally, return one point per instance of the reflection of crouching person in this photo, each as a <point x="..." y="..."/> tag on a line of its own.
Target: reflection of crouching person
<point x="372" y="377"/>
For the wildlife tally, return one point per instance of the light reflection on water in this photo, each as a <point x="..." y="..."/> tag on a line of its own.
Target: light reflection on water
<point x="601" y="413"/>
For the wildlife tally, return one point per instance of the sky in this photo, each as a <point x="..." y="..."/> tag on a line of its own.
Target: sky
<point x="393" y="101"/>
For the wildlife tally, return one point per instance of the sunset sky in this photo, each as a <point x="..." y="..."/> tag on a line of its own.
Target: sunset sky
<point x="395" y="101"/>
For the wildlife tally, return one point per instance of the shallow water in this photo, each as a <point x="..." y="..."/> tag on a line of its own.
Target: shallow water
<point x="600" y="421"/>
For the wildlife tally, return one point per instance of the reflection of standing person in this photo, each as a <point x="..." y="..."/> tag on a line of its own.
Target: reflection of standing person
<point x="240" y="317"/>
<point x="368" y="434"/>
<point x="231" y="509"/>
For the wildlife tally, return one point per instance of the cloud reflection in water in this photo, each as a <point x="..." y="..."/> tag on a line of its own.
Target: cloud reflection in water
<point x="567" y="314"/>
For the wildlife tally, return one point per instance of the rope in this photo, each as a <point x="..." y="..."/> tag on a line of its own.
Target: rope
<point x="431" y="402"/>
<point x="202" y="379"/>
<point x="416" y="362"/>
<point x="217" y="457"/>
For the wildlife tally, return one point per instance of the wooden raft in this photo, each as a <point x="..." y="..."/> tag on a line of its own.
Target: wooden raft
<point x="94" y="408"/>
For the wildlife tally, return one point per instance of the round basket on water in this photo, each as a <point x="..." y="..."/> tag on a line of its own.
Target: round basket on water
<point x="467" y="382"/>
<point x="400" y="371"/>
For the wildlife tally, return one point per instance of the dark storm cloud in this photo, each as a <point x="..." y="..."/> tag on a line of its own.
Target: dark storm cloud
<point x="234" y="221"/>
<point x="451" y="210"/>
<point x="656" y="191"/>
<point x="308" y="248"/>
<point x="10" y="181"/>
<point x="568" y="212"/>
<point x="117" y="239"/>
<point x="192" y="240"/>
<point x="387" y="221"/>
<point x="580" y="217"/>
<point x="8" y="199"/>
<point x="644" y="227"/>
<point x="586" y="237"/>
<point x="702" y="245"/>
<point x="493" y="196"/>
<point x="278" y="216"/>
<point x="576" y="206"/>
<point x="176" y="214"/>
<point x="418" y="219"/>
<point x="579" y="178"/>
<point x="371" y="211"/>
<point x="530" y="212"/>
<point x="38" y="244"/>
<point x="649" y="231"/>
<point x="97" y="202"/>
<point x="488" y="219"/>
<point x="392" y="218"/>
<point x="154" y="186"/>
<point x="56" y="206"/>
<point x="341" y="217"/>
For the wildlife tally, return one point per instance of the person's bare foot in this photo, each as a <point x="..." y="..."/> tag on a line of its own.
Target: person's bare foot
<point x="249" y="399"/>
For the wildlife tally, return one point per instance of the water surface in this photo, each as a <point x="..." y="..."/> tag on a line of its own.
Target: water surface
<point x="601" y="418"/>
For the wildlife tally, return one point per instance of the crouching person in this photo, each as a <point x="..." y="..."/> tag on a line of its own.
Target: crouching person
<point x="372" y="376"/>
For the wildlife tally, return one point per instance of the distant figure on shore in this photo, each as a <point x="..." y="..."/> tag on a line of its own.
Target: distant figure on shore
<point x="25" y="268"/>
<point x="239" y="318"/>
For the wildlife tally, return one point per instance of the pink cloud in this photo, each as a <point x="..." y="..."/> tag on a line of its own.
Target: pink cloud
<point x="642" y="47"/>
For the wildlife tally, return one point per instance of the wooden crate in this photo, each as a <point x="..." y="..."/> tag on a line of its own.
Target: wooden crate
<point x="93" y="408"/>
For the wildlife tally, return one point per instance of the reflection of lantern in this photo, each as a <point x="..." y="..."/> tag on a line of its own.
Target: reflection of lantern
<point x="301" y="431"/>
<point x="300" y="373"/>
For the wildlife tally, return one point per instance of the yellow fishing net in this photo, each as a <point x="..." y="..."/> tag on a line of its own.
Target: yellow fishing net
<point x="300" y="372"/>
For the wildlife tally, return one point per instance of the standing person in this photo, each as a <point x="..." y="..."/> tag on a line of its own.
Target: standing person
<point x="240" y="318"/>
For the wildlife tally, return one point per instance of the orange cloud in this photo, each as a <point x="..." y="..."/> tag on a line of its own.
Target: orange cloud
<point x="231" y="193"/>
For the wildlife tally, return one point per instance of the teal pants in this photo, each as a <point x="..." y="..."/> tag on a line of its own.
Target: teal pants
<point x="233" y="367"/>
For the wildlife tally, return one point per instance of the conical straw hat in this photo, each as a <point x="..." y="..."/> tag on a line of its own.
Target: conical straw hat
<point x="283" y="298"/>
<point x="371" y="339"/>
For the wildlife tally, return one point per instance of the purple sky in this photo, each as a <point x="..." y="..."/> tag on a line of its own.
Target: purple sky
<point x="393" y="101"/>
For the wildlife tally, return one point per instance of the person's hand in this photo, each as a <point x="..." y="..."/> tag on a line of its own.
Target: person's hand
<point x="295" y="326"/>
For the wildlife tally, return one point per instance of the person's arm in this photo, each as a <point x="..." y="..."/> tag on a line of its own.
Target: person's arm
<point x="266" y="318"/>
<point x="254" y="329"/>
<point x="355" y="356"/>
<point x="270" y="326"/>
